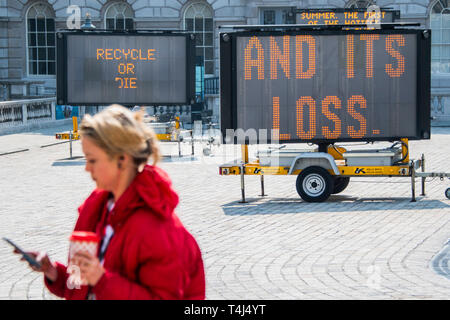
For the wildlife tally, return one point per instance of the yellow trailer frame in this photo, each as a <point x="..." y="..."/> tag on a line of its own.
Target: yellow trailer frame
<point x="170" y="137"/>
<point x="254" y="168"/>
<point x="405" y="168"/>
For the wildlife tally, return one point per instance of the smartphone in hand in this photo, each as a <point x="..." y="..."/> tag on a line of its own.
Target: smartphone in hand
<point x="25" y="255"/>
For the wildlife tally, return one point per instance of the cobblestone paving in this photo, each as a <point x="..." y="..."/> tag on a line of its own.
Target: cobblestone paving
<point x="370" y="242"/>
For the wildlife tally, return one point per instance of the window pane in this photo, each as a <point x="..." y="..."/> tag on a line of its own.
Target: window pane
<point x="209" y="67"/>
<point x="189" y="24"/>
<point x="32" y="39"/>
<point x="129" y="24"/>
<point x="41" y="39"/>
<point x="445" y="66"/>
<point x="209" y="53"/>
<point x="42" y="67"/>
<point x="446" y="20"/>
<point x="40" y="24"/>
<point x="437" y="8"/>
<point x="42" y="54"/>
<point x="208" y="24"/>
<point x="446" y="36"/>
<point x="50" y="39"/>
<point x="120" y="24"/>
<point x="50" y="25"/>
<point x="208" y="38"/>
<point x="31" y="25"/>
<point x="51" y="53"/>
<point x="434" y="66"/>
<point x="198" y="39"/>
<point x="445" y="52"/>
<point x="198" y="24"/>
<point x="436" y="36"/>
<point x="32" y="54"/>
<point x="109" y="23"/>
<point x="436" y="52"/>
<point x="288" y="17"/>
<point x="199" y="52"/>
<point x="51" y="67"/>
<point x="32" y="67"/>
<point x="435" y="21"/>
<point x="269" y="17"/>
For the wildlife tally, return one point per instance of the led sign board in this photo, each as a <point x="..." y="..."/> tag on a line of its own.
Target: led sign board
<point x="345" y="16"/>
<point x="131" y="69"/>
<point x="326" y="86"/>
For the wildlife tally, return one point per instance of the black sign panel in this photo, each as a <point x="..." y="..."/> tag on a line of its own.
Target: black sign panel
<point x="131" y="69"/>
<point x="345" y="16"/>
<point x="324" y="86"/>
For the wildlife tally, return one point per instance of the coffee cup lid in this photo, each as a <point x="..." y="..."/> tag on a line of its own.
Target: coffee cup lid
<point x="84" y="236"/>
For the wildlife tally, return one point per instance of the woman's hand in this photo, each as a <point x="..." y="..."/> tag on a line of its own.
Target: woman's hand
<point x="90" y="268"/>
<point x="47" y="266"/>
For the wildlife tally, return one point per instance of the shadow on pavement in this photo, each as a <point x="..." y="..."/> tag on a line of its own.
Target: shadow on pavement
<point x="50" y="131"/>
<point x="69" y="162"/>
<point x="440" y="262"/>
<point x="336" y="203"/>
<point x="172" y="158"/>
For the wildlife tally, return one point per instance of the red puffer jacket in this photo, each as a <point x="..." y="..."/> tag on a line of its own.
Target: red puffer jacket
<point x="150" y="256"/>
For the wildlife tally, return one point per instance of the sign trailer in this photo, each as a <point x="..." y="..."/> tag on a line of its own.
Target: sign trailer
<point x="326" y="84"/>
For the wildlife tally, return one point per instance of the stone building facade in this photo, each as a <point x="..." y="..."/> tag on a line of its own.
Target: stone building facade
<point x="27" y="42"/>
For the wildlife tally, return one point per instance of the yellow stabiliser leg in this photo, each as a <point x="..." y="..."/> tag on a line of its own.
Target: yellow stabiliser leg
<point x="405" y="150"/>
<point x="75" y="124"/>
<point x="244" y="149"/>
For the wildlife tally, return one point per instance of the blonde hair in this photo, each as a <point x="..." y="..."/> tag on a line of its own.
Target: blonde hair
<point x="118" y="130"/>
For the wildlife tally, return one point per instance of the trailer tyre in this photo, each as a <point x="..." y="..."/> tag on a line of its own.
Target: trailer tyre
<point x="314" y="184"/>
<point x="447" y="193"/>
<point x="340" y="183"/>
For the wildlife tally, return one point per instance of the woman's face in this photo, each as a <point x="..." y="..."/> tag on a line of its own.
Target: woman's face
<point x="104" y="171"/>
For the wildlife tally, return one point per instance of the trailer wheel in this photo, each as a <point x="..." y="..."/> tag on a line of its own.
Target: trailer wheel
<point x="314" y="184"/>
<point x="447" y="193"/>
<point x="340" y="183"/>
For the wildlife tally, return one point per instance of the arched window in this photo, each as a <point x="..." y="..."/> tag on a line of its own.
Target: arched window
<point x="119" y="16"/>
<point x="198" y="18"/>
<point x="359" y="4"/>
<point x="440" y="37"/>
<point x="40" y="40"/>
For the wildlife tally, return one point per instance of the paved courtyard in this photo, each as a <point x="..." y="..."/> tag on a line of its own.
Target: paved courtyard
<point x="370" y="242"/>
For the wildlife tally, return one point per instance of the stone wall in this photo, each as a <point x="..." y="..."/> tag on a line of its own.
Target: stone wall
<point x="168" y="14"/>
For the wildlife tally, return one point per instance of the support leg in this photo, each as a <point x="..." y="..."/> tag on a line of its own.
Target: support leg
<point x="70" y="143"/>
<point x="423" y="178"/>
<point x="192" y="141"/>
<point x="413" y="183"/>
<point x="262" y="187"/>
<point x="242" y="184"/>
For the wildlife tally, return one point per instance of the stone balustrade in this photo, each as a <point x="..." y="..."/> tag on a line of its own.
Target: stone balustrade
<point x="19" y="115"/>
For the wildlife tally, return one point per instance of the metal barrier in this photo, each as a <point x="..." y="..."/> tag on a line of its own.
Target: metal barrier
<point x="22" y="112"/>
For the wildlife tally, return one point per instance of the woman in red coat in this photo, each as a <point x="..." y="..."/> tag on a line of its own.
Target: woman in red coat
<point x="145" y="252"/>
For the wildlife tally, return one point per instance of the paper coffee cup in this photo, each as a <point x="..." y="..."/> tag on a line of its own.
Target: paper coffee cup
<point x="83" y="241"/>
<point x="80" y="241"/>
